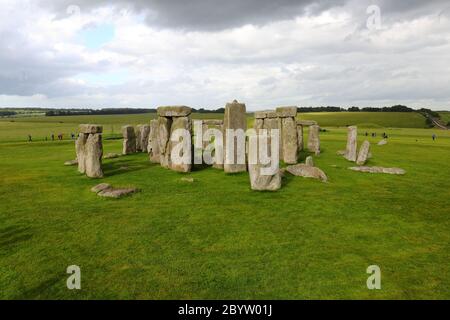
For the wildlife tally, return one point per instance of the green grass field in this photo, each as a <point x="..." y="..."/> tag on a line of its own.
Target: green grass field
<point x="215" y="238"/>
<point x="445" y="116"/>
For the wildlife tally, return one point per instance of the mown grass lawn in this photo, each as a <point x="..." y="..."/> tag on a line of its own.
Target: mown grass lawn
<point x="215" y="238"/>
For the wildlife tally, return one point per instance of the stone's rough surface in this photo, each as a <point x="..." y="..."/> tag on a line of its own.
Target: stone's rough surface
<point x="289" y="140"/>
<point x="71" y="162"/>
<point x="302" y="170"/>
<point x="382" y="142"/>
<point x="81" y="152"/>
<point x="309" y="161"/>
<point x="307" y="123"/>
<point x="101" y="187"/>
<point x="93" y="156"/>
<point x="213" y="122"/>
<point x="144" y="131"/>
<point x="300" y="136"/>
<point x="314" y="140"/>
<point x="164" y="124"/>
<point x="90" y="128"/>
<point x="397" y="171"/>
<point x="174" y="111"/>
<point x="111" y="155"/>
<point x="153" y="142"/>
<point x="263" y="182"/>
<point x="116" y="193"/>
<point x="363" y="153"/>
<point x="351" y="149"/>
<point x="286" y="112"/>
<point x="234" y="118"/>
<point x="129" y="140"/>
<point x="266" y="114"/>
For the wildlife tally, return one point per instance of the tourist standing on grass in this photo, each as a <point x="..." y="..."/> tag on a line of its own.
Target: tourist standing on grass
<point x="434" y="137"/>
<point x="29" y="138"/>
<point x="53" y="137"/>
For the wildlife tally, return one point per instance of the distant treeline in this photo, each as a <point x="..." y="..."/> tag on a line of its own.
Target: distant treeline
<point x="7" y="113"/>
<point x="396" y="108"/>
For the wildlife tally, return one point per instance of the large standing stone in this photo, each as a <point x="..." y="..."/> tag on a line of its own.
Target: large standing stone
<point x="288" y="132"/>
<point x="313" y="139"/>
<point x="129" y="140"/>
<point x="89" y="149"/>
<point x="351" y="149"/>
<point x="363" y="153"/>
<point x="169" y="120"/>
<point x="234" y="119"/>
<point x="153" y="142"/>
<point x="214" y="124"/>
<point x="144" y="131"/>
<point x="259" y="179"/>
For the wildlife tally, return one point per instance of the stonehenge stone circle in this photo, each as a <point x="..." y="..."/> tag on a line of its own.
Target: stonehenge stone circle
<point x="170" y="119"/>
<point x="288" y="133"/>
<point x="89" y="149"/>
<point x="351" y="149"/>
<point x="314" y="140"/>
<point x="129" y="140"/>
<point x="363" y="153"/>
<point x="235" y="118"/>
<point x="153" y="142"/>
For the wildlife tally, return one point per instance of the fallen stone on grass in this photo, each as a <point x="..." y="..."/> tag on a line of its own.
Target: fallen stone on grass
<point x="111" y="156"/>
<point x="302" y="170"/>
<point x="71" y="163"/>
<point x="382" y="142"/>
<point x="101" y="187"/>
<point x="397" y="171"/>
<point x="116" y="193"/>
<point x="363" y="154"/>
<point x="186" y="179"/>
<point x="341" y="153"/>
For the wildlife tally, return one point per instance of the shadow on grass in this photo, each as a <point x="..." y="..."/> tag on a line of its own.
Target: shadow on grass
<point x="12" y="235"/>
<point x="123" y="165"/>
<point x="44" y="286"/>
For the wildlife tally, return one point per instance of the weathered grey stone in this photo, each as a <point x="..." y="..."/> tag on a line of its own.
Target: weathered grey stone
<point x="303" y="170"/>
<point x="363" y="153"/>
<point x="116" y="193"/>
<point x="286" y="112"/>
<point x="214" y="124"/>
<point x="164" y="124"/>
<point x="90" y="128"/>
<point x="395" y="171"/>
<point x="174" y="111"/>
<point x="71" y="162"/>
<point x="266" y="114"/>
<point x="137" y="132"/>
<point x="187" y="179"/>
<point x="234" y="118"/>
<point x="80" y="144"/>
<point x="309" y="161"/>
<point x="300" y="136"/>
<point x="261" y="182"/>
<point x="129" y="140"/>
<point x="313" y="139"/>
<point x="101" y="187"/>
<point x="153" y="142"/>
<point x="93" y="156"/>
<point x="181" y="123"/>
<point x="382" y="142"/>
<point x="351" y="149"/>
<point x="143" y="136"/>
<point x="289" y="140"/>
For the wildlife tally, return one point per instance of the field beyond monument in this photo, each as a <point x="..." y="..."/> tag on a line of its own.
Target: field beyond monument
<point x="215" y="238"/>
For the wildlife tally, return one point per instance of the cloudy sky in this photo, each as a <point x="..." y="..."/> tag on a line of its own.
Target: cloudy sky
<point x="203" y="53"/>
